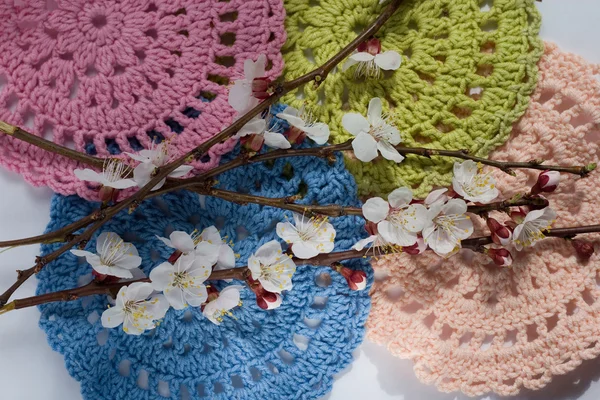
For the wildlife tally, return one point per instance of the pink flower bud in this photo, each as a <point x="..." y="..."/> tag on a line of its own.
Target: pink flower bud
<point x="264" y="299"/>
<point x="371" y="228"/>
<point x="260" y="88"/>
<point x="547" y="182"/>
<point x="252" y="142"/>
<point x="356" y="279"/>
<point x="500" y="234"/>
<point x="98" y="277"/>
<point x="417" y="248"/>
<point x="518" y="215"/>
<point x="108" y="194"/>
<point x="173" y="257"/>
<point x="583" y="248"/>
<point x="371" y="46"/>
<point x="269" y="300"/>
<point x="295" y="135"/>
<point x="500" y="257"/>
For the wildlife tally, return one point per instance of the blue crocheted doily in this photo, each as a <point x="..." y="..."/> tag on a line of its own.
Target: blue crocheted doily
<point x="288" y="353"/>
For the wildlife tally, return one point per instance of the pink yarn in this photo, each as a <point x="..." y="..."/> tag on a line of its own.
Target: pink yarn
<point x="109" y="75"/>
<point x="471" y="326"/>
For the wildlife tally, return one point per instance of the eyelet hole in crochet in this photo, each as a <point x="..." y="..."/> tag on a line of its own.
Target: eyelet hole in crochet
<point x="124" y="368"/>
<point x="228" y="17"/>
<point x="489" y="26"/>
<point x="255" y="374"/>
<point x="151" y="33"/>
<point x="323" y="280"/>
<point x="565" y="104"/>
<point x="485" y="70"/>
<point x="312" y="323"/>
<point x="102" y="337"/>
<point x="163" y="389"/>
<point x="227" y="38"/>
<point x="488" y="47"/>
<point x="93" y="317"/>
<point x="99" y="21"/>
<point x="301" y="341"/>
<point x="486" y="5"/>
<point x="465" y="339"/>
<point x="227" y="61"/>
<point x="487" y="342"/>
<point x="394" y="293"/>
<point x="219" y="79"/>
<point x="237" y="382"/>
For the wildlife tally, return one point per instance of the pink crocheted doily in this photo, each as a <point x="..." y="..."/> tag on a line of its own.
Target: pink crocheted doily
<point x="106" y="77"/>
<point x="473" y="327"/>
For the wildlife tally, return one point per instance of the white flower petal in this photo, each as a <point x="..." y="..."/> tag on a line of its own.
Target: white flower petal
<point x="142" y="174"/>
<point x="454" y="206"/>
<point x="415" y="217"/>
<point x="157" y="306"/>
<point x="240" y="96"/>
<point x="211" y="235"/>
<point x="287" y="232"/>
<point x="389" y="152"/>
<point x="181" y="171"/>
<point x="195" y="295"/>
<point x="226" y="257"/>
<point x="165" y="241"/>
<point x="254" y="266"/>
<point x="174" y="296"/>
<point x="121" y="184"/>
<point x="254" y="126"/>
<point x="362" y="56"/>
<point x="162" y="276"/>
<point x="182" y="241"/>
<point x="106" y="241"/>
<point x="400" y="197"/>
<point x="276" y="140"/>
<point x="128" y="261"/>
<point x="375" y="209"/>
<point x="318" y="132"/>
<point x="229" y="297"/>
<point x="375" y="109"/>
<point x="290" y="114"/>
<point x="396" y="234"/>
<point x="355" y="123"/>
<point x="305" y="250"/>
<point x="139" y="291"/>
<point x="361" y="244"/>
<point x="348" y="63"/>
<point x="139" y="157"/>
<point x="365" y="147"/>
<point x="436" y="196"/>
<point x="112" y="317"/>
<point x="89" y="175"/>
<point x="269" y="250"/>
<point x="388" y="60"/>
<point x="112" y="271"/>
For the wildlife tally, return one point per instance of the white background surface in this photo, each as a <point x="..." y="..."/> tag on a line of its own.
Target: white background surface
<point x="30" y="370"/>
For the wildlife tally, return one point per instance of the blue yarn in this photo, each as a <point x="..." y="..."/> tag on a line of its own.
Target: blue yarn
<point x="251" y="356"/>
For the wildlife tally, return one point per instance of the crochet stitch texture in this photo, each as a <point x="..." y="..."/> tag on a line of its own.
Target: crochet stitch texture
<point x="288" y="353"/>
<point x="471" y="326"/>
<point x="468" y="69"/>
<point x="113" y="76"/>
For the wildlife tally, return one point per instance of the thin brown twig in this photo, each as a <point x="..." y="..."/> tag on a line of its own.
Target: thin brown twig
<point x="242" y="273"/>
<point x="21" y="134"/>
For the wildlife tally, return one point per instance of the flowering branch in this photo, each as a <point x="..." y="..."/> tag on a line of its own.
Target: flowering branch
<point x="279" y="89"/>
<point x="242" y="273"/>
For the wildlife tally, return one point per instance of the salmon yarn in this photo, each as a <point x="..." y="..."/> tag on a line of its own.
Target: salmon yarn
<point x="473" y="327"/>
<point x="107" y="77"/>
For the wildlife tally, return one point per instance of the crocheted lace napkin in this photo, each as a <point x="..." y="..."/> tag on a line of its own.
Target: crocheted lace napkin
<point x="470" y="326"/>
<point x="468" y="68"/>
<point x="114" y="76"/>
<point x="288" y="353"/>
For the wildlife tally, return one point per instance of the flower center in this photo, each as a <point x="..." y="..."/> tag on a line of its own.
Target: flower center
<point x="182" y="280"/>
<point x="115" y="170"/>
<point x="478" y="185"/>
<point x="112" y="251"/>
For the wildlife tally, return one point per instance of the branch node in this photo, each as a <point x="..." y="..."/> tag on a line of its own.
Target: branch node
<point x="7" y="128"/>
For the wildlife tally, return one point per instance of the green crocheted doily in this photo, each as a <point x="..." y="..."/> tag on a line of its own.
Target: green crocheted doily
<point x="448" y="48"/>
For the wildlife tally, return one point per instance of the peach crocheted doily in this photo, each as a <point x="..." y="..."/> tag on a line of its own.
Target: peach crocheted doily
<point x="472" y="327"/>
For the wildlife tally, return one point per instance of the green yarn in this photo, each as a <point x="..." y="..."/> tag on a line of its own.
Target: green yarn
<point x="447" y="48"/>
